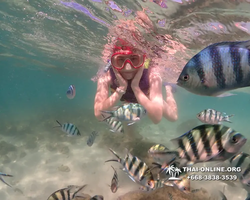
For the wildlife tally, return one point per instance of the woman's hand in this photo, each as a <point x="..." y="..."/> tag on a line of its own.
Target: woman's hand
<point x="123" y="84"/>
<point x="136" y="80"/>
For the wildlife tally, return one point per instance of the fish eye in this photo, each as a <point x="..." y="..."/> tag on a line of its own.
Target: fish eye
<point x="235" y="138"/>
<point x="186" y="77"/>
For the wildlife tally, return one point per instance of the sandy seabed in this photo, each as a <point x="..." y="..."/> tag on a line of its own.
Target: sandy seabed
<point x="43" y="159"/>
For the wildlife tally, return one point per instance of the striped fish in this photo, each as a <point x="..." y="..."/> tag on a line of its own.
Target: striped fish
<point x="211" y="116"/>
<point x="115" y="125"/>
<point x="68" y="193"/>
<point x="70" y="129"/>
<point x="137" y="170"/>
<point x="206" y="143"/>
<point x="71" y="92"/>
<point x="242" y="160"/>
<point x="218" y="68"/>
<point x="97" y="197"/>
<point x="183" y="184"/>
<point x="158" y="152"/>
<point x="130" y="112"/>
<point x="91" y="138"/>
<point x="114" y="182"/>
<point x="1" y="178"/>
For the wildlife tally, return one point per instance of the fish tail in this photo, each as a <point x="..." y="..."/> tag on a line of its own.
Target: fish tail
<point x="79" y="190"/>
<point x="226" y="118"/>
<point x="118" y="157"/>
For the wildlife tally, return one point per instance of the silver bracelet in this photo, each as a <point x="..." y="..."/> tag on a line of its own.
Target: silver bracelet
<point x="120" y="91"/>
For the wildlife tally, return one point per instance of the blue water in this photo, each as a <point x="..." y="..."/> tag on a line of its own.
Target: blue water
<point x="45" y="46"/>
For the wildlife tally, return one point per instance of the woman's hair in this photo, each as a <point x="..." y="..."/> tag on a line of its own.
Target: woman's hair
<point x="140" y="34"/>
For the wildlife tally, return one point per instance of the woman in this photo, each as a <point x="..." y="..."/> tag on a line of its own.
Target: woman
<point x="131" y="79"/>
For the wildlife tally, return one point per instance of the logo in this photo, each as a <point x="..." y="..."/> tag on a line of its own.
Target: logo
<point x="173" y="172"/>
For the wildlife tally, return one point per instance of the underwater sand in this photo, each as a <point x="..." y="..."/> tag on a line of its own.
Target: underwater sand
<point x="43" y="159"/>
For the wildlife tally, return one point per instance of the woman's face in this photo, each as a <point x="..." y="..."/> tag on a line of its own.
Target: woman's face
<point x="128" y="71"/>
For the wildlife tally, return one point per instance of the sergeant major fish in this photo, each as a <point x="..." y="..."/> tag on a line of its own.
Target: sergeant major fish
<point x="114" y="182"/>
<point x="206" y="143"/>
<point x="242" y="160"/>
<point x="70" y="129"/>
<point x="137" y="170"/>
<point x="71" y="92"/>
<point x="211" y="116"/>
<point x="183" y="184"/>
<point x="218" y="68"/>
<point x="130" y="112"/>
<point x="68" y="193"/>
<point x="115" y="125"/>
<point x="91" y="138"/>
<point x="158" y="152"/>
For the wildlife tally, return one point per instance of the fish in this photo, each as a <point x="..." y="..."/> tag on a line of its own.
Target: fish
<point x="182" y="184"/>
<point x="91" y="138"/>
<point x="69" y="128"/>
<point x="108" y="66"/>
<point x="114" y="182"/>
<point x="212" y="116"/>
<point x="205" y="143"/>
<point x="71" y="92"/>
<point x="137" y="170"/>
<point x="97" y="197"/>
<point x="1" y="178"/>
<point x="242" y="160"/>
<point x="158" y="152"/>
<point x="130" y="112"/>
<point x="217" y="69"/>
<point x="115" y="125"/>
<point x="68" y="193"/>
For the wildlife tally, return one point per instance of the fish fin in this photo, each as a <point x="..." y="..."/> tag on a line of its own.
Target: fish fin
<point x="227" y="94"/>
<point x="223" y="196"/>
<point x="226" y="118"/>
<point x="1" y="178"/>
<point x="59" y="123"/>
<point x="79" y="190"/>
<point x="118" y="157"/>
<point x="131" y="123"/>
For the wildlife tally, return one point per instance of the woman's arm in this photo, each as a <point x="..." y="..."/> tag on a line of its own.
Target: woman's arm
<point x="153" y="104"/>
<point x="170" y="110"/>
<point x="102" y="99"/>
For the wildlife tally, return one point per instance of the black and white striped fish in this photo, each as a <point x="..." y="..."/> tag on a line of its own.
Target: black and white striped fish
<point x="115" y="125"/>
<point x="242" y="160"/>
<point x="70" y="129"/>
<point x="68" y="193"/>
<point x="218" y="68"/>
<point x="91" y="138"/>
<point x="137" y="170"/>
<point x="206" y="143"/>
<point x="71" y="92"/>
<point x="114" y="182"/>
<point x="130" y="112"/>
<point x="97" y="197"/>
<point x="1" y="178"/>
<point x="211" y="116"/>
